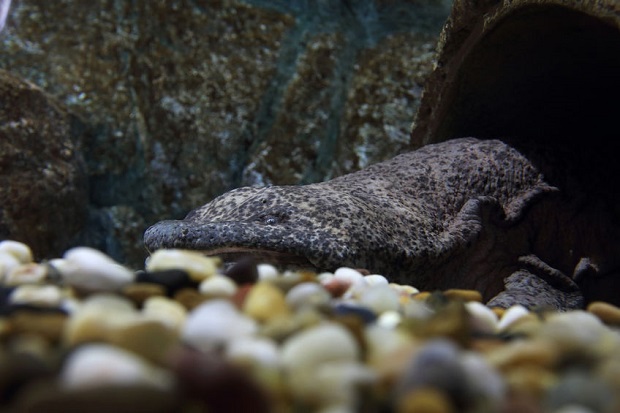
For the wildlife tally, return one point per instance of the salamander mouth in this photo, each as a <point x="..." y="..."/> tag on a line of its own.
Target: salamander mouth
<point x="283" y="260"/>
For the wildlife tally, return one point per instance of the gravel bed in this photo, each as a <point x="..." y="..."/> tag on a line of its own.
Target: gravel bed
<point x="84" y="333"/>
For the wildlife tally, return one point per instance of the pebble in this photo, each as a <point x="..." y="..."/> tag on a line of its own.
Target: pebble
<point x="8" y="262"/>
<point x="196" y="265"/>
<point x="291" y="341"/>
<point x="218" y="286"/>
<point x="171" y="280"/>
<point x="215" y="323"/>
<point x="243" y="271"/>
<point x="307" y="294"/>
<point x="30" y="273"/>
<point x="19" y="250"/>
<point x="465" y="295"/>
<point x="95" y="365"/>
<point x="38" y="295"/>
<point x="167" y="311"/>
<point x="265" y="301"/>
<point x="607" y="313"/>
<point x="90" y="270"/>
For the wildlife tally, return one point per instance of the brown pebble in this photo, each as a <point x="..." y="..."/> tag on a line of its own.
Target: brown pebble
<point x="140" y="292"/>
<point x="542" y="354"/>
<point x="47" y="325"/>
<point x="499" y="311"/>
<point x="424" y="400"/>
<point x="464" y="295"/>
<point x="336" y="287"/>
<point x="422" y="295"/>
<point x="189" y="298"/>
<point x="243" y="271"/>
<point x="101" y="399"/>
<point x="607" y="313"/>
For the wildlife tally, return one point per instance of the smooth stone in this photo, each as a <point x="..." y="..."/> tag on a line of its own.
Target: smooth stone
<point x="218" y="286"/>
<point x="218" y="385"/>
<point x="307" y="348"/>
<point x="607" y="313"/>
<point x="426" y="400"/>
<point x="365" y="314"/>
<point x="579" y="331"/>
<point x="95" y="365"/>
<point x="511" y="315"/>
<point x="437" y="365"/>
<point x="140" y="292"/>
<point x="307" y="294"/>
<point x="464" y="295"/>
<point x="166" y="310"/>
<point x="126" y="398"/>
<point x="19" y="250"/>
<point x="483" y="319"/>
<point x="334" y="383"/>
<point x="348" y="275"/>
<point x="486" y="385"/>
<point x="375" y="279"/>
<point x="267" y="272"/>
<point x="38" y="295"/>
<point x="197" y="266"/>
<point x="578" y="388"/>
<point x="386" y="351"/>
<point x="8" y="263"/>
<point x="47" y="325"/>
<point x="216" y="323"/>
<point x="260" y="351"/>
<point x="380" y="298"/>
<point x="140" y="334"/>
<point x="390" y="319"/>
<point x="90" y="270"/>
<point x="171" y="280"/>
<point x="265" y="301"/>
<point x="190" y="298"/>
<point x="335" y="287"/>
<point x="31" y="273"/>
<point x="519" y="353"/>
<point x="243" y="271"/>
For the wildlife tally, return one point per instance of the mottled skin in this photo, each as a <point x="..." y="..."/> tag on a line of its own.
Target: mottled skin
<point x="464" y="213"/>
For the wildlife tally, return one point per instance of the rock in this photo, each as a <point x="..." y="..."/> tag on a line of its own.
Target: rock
<point x="380" y="298"/>
<point x="579" y="389"/>
<point x="425" y="400"/>
<point x="267" y="271"/>
<point x="265" y="302"/>
<point x="90" y="270"/>
<point x="243" y="271"/>
<point x="483" y="319"/>
<point x="171" y="280"/>
<point x="196" y="265"/>
<point x="215" y="323"/>
<point x="95" y="365"/>
<point x="8" y="262"/>
<point x="463" y="295"/>
<point x="19" y="250"/>
<point x="31" y="273"/>
<point x="607" y="313"/>
<point x="38" y="295"/>
<point x="259" y="351"/>
<point x="307" y="293"/>
<point x="218" y="286"/>
<point x="511" y="315"/>
<point x="167" y="311"/>
<point x="48" y="325"/>
<point x="41" y="170"/>
<point x="218" y="385"/>
<point x="140" y="292"/>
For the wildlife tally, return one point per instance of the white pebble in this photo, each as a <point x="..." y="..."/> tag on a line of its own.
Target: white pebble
<point x="91" y="270"/>
<point x="96" y="365"/>
<point x="7" y="264"/>
<point x="326" y="342"/>
<point x="215" y="323"/>
<point x="218" y="285"/>
<point x="511" y="315"/>
<point x="31" y="273"/>
<point x="375" y="279"/>
<point x="484" y="320"/>
<point x="166" y="310"/>
<point x="325" y="277"/>
<point x="348" y="275"/>
<point x="198" y="266"/>
<point x="40" y="295"/>
<point x="258" y="350"/>
<point x="380" y="298"/>
<point x="321" y="363"/>
<point x="19" y="250"/>
<point x="389" y="319"/>
<point x="307" y="293"/>
<point x="267" y="272"/>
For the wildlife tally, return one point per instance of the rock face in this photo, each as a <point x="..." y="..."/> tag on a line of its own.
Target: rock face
<point x="42" y="175"/>
<point x="543" y="71"/>
<point x="181" y="102"/>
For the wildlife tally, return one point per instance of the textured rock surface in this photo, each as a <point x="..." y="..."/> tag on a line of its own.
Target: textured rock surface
<point x="42" y="176"/>
<point x="182" y="101"/>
